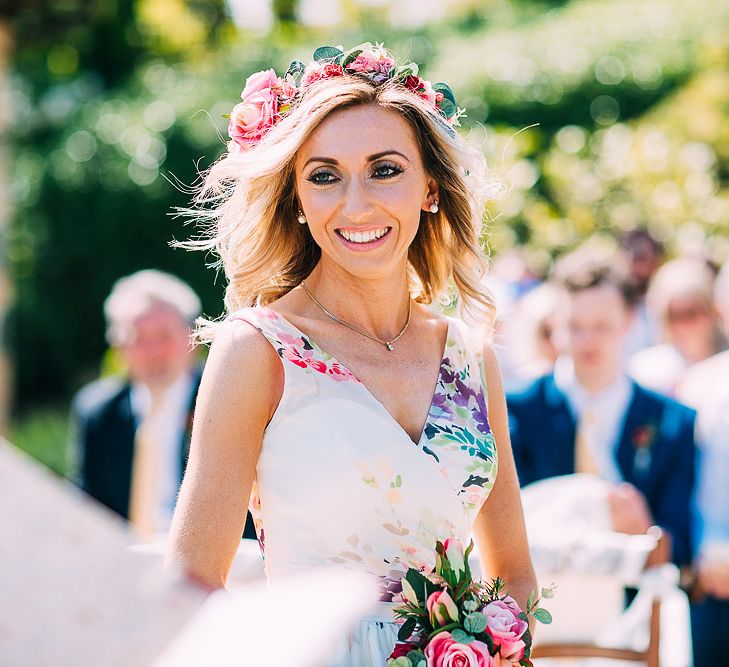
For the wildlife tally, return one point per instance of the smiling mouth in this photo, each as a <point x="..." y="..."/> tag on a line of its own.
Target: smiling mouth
<point x="370" y="236"/>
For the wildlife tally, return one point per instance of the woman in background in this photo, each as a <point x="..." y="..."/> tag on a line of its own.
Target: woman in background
<point x="680" y="298"/>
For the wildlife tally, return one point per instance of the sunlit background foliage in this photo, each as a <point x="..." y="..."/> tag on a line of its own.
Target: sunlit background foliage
<point x="599" y="115"/>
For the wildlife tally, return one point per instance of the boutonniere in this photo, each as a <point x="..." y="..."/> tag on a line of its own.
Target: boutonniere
<point x="642" y="439"/>
<point x="643" y="436"/>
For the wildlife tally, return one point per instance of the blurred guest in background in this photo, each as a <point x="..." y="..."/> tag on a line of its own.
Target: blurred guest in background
<point x="680" y="299"/>
<point x="527" y="334"/>
<point x="706" y="387"/>
<point x="589" y="417"/>
<point x="640" y="254"/>
<point x="131" y="434"/>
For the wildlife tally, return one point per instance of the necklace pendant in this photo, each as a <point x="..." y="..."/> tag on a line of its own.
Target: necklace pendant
<point x="389" y="346"/>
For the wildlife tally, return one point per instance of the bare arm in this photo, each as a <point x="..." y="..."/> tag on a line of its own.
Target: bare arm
<point x="499" y="529"/>
<point x="239" y="391"/>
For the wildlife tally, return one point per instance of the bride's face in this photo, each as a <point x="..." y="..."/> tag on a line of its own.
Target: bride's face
<point x="362" y="186"/>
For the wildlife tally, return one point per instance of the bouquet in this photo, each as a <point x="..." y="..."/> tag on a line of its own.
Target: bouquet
<point x="450" y="620"/>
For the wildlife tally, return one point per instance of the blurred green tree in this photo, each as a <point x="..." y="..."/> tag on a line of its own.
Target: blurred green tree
<point x="74" y="233"/>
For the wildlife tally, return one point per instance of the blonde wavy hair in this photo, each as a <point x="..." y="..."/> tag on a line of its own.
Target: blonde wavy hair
<point x="248" y="207"/>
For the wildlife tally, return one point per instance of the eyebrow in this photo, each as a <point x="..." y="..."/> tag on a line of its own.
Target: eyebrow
<point x="371" y="158"/>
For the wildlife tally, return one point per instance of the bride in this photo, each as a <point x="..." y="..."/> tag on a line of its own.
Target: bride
<point x="358" y="424"/>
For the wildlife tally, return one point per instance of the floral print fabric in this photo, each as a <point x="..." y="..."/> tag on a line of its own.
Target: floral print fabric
<point x="340" y="482"/>
<point x="458" y="418"/>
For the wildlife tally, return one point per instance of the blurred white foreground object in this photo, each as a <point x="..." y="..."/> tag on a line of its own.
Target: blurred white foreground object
<point x="296" y="622"/>
<point x="71" y="593"/>
<point x="247" y="566"/>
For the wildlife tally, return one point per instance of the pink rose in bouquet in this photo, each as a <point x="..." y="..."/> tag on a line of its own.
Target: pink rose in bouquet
<point x="444" y="651"/>
<point x="454" y="553"/>
<point x="259" y="81"/>
<point x="449" y="619"/>
<point x="506" y="628"/>
<point x="251" y="119"/>
<point x="441" y="609"/>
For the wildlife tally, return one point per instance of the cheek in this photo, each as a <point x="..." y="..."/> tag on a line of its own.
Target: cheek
<point x="403" y="204"/>
<point x="314" y="200"/>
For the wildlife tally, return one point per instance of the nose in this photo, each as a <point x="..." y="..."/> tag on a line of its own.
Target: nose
<point x="358" y="205"/>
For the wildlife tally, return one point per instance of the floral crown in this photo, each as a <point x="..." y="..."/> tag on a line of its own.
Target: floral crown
<point x="267" y="98"/>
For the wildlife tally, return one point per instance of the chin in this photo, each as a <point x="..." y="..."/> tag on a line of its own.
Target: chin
<point x="590" y="365"/>
<point x="367" y="265"/>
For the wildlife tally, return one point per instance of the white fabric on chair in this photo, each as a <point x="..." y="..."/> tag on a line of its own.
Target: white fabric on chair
<point x="573" y="544"/>
<point x="569" y="528"/>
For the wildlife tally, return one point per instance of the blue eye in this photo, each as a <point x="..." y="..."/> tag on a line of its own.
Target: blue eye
<point x="321" y="177"/>
<point x="387" y="171"/>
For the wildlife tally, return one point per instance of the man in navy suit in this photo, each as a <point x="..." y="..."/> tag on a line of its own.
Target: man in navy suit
<point x="588" y="416"/>
<point x="149" y="319"/>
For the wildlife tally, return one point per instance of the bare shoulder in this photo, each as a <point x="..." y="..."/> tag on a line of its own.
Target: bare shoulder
<point x="241" y="366"/>
<point x="239" y="344"/>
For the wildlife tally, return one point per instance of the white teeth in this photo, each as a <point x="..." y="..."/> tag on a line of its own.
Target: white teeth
<point x="363" y="237"/>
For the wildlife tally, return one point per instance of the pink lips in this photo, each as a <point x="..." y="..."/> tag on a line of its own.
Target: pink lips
<point x="362" y="247"/>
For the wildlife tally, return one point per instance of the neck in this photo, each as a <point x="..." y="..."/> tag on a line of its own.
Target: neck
<point x="377" y="305"/>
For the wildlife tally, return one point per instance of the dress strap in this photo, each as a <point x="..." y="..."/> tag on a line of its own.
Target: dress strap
<point x="264" y="320"/>
<point x="293" y="346"/>
<point x="470" y="345"/>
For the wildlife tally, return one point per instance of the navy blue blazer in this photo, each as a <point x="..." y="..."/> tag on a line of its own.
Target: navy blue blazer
<point x="104" y="428"/>
<point x="656" y="452"/>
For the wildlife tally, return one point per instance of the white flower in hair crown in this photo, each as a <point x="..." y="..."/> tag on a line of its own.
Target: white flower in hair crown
<point x="267" y="98"/>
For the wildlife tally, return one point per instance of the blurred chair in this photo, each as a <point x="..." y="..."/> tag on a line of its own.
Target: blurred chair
<point x="558" y="646"/>
<point x="573" y="545"/>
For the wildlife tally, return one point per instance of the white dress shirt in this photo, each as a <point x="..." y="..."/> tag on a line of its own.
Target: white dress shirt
<point x="169" y="431"/>
<point x="608" y="408"/>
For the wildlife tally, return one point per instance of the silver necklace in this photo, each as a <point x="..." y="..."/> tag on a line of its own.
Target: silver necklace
<point x="386" y="343"/>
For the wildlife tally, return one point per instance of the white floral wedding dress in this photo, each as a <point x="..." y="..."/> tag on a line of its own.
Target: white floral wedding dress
<point x="340" y="482"/>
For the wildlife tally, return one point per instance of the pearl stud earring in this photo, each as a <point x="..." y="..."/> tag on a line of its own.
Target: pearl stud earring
<point x="434" y="207"/>
<point x="302" y="219"/>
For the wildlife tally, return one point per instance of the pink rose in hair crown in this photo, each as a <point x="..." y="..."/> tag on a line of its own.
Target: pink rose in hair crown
<point x="258" y="82"/>
<point x="251" y="119"/>
<point x="444" y="651"/>
<point x="506" y="628"/>
<point x="376" y="63"/>
<point x="316" y="71"/>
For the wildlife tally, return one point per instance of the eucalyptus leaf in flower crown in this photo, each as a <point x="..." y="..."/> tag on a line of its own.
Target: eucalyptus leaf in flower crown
<point x="267" y="98"/>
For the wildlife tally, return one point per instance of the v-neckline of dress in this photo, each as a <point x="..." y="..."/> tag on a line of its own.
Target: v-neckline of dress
<point x="366" y="390"/>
